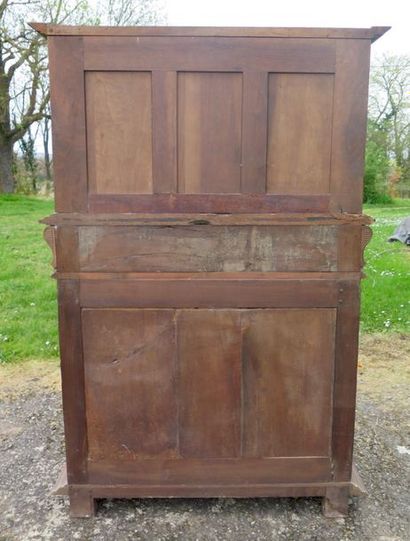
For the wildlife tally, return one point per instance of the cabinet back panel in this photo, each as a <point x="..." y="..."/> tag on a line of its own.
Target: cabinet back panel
<point x="196" y="383"/>
<point x="209" y="132"/>
<point x="119" y="132"/>
<point x="299" y="134"/>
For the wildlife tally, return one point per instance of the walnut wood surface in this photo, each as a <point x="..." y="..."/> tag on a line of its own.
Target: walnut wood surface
<point x="206" y="248"/>
<point x="208" y="242"/>
<point x="372" y="33"/>
<point x="209" y="123"/>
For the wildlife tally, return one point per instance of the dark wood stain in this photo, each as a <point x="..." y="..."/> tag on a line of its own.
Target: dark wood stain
<point x="208" y="243"/>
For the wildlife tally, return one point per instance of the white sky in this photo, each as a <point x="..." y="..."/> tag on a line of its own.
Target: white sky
<point x="321" y="13"/>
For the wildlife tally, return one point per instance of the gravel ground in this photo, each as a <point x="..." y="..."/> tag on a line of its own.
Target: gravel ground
<point x="31" y="452"/>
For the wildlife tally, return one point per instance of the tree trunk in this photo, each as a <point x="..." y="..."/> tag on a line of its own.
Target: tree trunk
<point x="46" y="144"/>
<point x="6" y="167"/>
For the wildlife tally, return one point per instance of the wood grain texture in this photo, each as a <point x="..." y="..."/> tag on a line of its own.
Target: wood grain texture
<point x="281" y="55"/>
<point x="209" y="261"/>
<point x="130" y="383"/>
<point x="345" y="380"/>
<point x="69" y="123"/>
<point x="213" y="203"/>
<point x="299" y="134"/>
<point x="164" y="131"/>
<point x="349" y="124"/>
<point x="49" y="235"/>
<point x="254" y="490"/>
<point x="206" y="248"/>
<point x="82" y="503"/>
<point x="209" y="388"/>
<point x="350" y="250"/>
<point x="209" y="132"/>
<point x="287" y="361"/>
<point x="119" y="132"/>
<point x="254" y="131"/>
<point x="372" y="33"/>
<point x="67" y="249"/>
<point x="72" y="377"/>
<point x="209" y="293"/>
<point x="190" y="219"/>
<point x="213" y="472"/>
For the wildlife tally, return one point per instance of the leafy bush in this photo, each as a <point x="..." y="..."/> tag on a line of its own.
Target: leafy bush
<point x="376" y="173"/>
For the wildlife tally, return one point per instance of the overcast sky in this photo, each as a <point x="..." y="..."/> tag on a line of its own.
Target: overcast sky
<point x="322" y="13"/>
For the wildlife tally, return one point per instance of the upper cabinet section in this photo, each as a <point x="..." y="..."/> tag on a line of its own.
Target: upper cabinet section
<point x="209" y="120"/>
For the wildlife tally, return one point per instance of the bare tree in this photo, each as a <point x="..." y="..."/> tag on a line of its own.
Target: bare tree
<point x="130" y="12"/>
<point x="24" y="89"/>
<point x="18" y="47"/>
<point x="23" y="62"/>
<point x="389" y="106"/>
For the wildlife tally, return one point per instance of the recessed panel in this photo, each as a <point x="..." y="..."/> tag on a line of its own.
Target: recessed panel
<point x="299" y="133"/>
<point x="209" y="132"/>
<point x="287" y="359"/>
<point x="119" y="132"/>
<point x="209" y="362"/>
<point x="129" y="363"/>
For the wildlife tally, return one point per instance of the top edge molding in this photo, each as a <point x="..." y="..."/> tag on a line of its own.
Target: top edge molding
<point x="373" y="33"/>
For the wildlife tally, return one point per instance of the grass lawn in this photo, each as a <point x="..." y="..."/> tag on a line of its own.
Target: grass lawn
<point x="386" y="290"/>
<point x="28" y="309"/>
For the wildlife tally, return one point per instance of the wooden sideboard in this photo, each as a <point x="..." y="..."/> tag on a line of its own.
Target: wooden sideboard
<point x="208" y="242"/>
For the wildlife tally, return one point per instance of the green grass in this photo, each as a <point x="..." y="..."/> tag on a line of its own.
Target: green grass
<point x="386" y="290"/>
<point x="28" y="310"/>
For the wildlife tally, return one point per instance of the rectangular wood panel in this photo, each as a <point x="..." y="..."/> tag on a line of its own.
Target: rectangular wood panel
<point x="209" y="54"/>
<point x="206" y="248"/>
<point x="299" y="133"/>
<point x="211" y="472"/>
<point x="209" y="132"/>
<point x="187" y="291"/>
<point x="288" y="358"/>
<point x="119" y="132"/>
<point x="209" y="387"/>
<point x="212" y="203"/>
<point x="130" y="383"/>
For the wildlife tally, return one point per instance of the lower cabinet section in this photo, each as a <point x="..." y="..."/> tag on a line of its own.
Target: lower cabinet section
<point x="208" y="395"/>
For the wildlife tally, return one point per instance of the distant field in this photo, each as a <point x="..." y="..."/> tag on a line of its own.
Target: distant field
<point x="386" y="290"/>
<point x="28" y="309"/>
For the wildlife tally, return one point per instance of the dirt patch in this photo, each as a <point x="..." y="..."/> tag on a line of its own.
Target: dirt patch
<point x="17" y="380"/>
<point x="31" y="453"/>
<point x="384" y="369"/>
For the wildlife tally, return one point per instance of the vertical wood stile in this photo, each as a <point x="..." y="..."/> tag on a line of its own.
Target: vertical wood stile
<point x="349" y="124"/>
<point x="344" y="390"/>
<point x="72" y="377"/>
<point x="164" y="131"/>
<point x="254" y="131"/>
<point x="69" y="123"/>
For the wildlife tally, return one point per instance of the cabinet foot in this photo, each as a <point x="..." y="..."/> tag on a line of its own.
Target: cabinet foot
<point x="336" y="502"/>
<point x="82" y="504"/>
